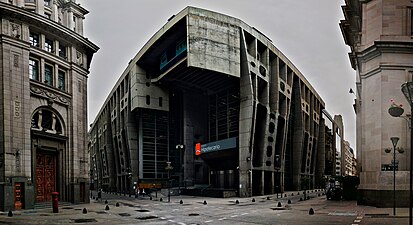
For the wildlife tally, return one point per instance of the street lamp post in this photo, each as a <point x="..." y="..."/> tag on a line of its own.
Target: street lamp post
<point x="407" y="89"/>
<point x="394" y="141"/>
<point x="180" y="148"/>
<point x="169" y="168"/>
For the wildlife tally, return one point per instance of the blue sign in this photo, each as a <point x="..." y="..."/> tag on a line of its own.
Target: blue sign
<point x="219" y="145"/>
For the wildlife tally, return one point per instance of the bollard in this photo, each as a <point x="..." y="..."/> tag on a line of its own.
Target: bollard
<point x="205" y="202"/>
<point x="55" y="202"/>
<point x="289" y="201"/>
<point x="236" y="202"/>
<point x="10" y="214"/>
<point x="292" y="194"/>
<point x="279" y="204"/>
<point x="117" y="204"/>
<point x="106" y="201"/>
<point x="181" y="202"/>
<point x="107" y="207"/>
<point x="301" y="199"/>
<point x="285" y="195"/>
<point x="253" y="200"/>
<point x="311" y="212"/>
<point x="161" y="199"/>
<point x="84" y="211"/>
<point x="150" y="198"/>
<point x="268" y="198"/>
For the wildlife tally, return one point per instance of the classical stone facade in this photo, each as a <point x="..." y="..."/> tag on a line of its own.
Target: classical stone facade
<point x="379" y="33"/>
<point x="44" y="62"/>
<point x="215" y="99"/>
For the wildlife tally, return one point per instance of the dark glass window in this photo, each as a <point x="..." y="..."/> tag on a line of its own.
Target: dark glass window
<point x="61" y="80"/>
<point x="62" y="51"/>
<point x="34" y="39"/>
<point x="48" y="45"/>
<point x="33" y="69"/>
<point x="48" y="75"/>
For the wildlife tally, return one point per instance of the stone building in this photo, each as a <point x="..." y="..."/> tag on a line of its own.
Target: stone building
<point x="213" y="98"/>
<point x="44" y="62"/>
<point x="379" y="33"/>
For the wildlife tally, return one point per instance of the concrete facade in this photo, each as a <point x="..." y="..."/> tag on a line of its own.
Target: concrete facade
<point x="249" y="121"/>
<point x="379" y="33"/>
<point x="44" y="62"/>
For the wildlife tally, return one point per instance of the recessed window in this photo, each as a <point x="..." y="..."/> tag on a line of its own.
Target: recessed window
<point x="62" y="51"/>
<point x="160" y="101"/>
<point x="34" y="39"/>
<point x="33" y="69"/>
<point x="47" y="3"/>
<point x="61" y="80"/>
<point x="48" y="74"/>
<point x="48" y="45"/>
<point x="148" y="100"/>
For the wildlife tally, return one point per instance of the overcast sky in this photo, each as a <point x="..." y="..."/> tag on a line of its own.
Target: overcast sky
<point x="306" y="31"/>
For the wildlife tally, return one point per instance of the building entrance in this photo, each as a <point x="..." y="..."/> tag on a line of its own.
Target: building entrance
<point x="45" y="176"/>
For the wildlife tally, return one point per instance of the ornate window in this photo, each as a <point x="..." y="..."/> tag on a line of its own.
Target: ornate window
<point x="48" y="45"/>
<point x="62" y="51"/>
<point x="33" y="69"/>
<point x="48" y="74"/>
<point x="61" y="80"/>
<point x="46" y="120"/>
<point x="34" y="39"/>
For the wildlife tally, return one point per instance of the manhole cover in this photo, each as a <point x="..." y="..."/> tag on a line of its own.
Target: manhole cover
<point x="84" y="220"/>
<point x="67" y="208"/>
<point x="193" y="214"/>
<point x="146" y="217"/>
<point x="124" y="214"/>
<point x="100" y="212"/>
<point x="142" y="210"/>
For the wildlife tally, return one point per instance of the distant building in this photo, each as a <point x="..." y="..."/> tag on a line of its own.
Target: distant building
<point x="43" y="85"/>
<point x="379" y="33"/>
<point x="215" y="99"/>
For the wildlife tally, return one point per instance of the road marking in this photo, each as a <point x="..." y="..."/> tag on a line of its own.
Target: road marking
<point x="359" y="217"/>
<point x="172" y="221"/>
<point x="357" y="221"/>
<point x="224" y="218"/>
<point x="243" y="214"/>
<point x="209" y="221"/>
<point x="234" y="215"/>
<point x="162" y="218"/>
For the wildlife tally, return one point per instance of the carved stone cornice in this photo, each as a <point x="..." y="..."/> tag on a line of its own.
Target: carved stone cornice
<point x="51" y="96"/>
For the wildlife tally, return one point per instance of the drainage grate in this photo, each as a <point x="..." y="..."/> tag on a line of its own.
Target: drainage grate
<point x="124" y="214"/>
<point x="146" y="217"/>
<point x="142" y="210"/>
<point x="84" y="220"/>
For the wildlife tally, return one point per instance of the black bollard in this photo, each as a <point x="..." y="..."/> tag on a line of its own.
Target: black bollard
<point x="161" y="199"/>
<point x="117" y="204"/>
<point x="107" y="207"/>
<point x="268" y="198"/>
<point x="10" y="214"/>
<point x="308" y="197"/>
<point x="289" y="201"/>
<point x="253" y="200"/>
<point x="285" y="195"/>
<point x="311" y="211"/>
<point x="181" y="202"/>
<point x="301" y="199"/>
<point x="150" y="198"/>
<point x="205" y="202"/>
<point x="292" y="194"/>
<point x="279" y="204"/>
<point x="106" y="201"/>
<point x="84" y="211"/>
<point x="237" y="202"/>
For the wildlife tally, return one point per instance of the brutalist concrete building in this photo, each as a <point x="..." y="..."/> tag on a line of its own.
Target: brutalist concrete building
<point x="209" y="101"/>
<point x="44" y="62"/>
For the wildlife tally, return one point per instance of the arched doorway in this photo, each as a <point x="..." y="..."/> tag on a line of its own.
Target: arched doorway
<point x="48" y="143"/>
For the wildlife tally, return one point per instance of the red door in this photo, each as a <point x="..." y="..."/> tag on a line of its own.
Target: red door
<point x="45" y="176"/>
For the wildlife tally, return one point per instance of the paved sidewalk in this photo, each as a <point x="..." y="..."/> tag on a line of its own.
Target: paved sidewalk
<point x="97" y="213"/>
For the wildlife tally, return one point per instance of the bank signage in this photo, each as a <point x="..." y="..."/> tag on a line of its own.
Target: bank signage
<point x="215" y="146"/>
